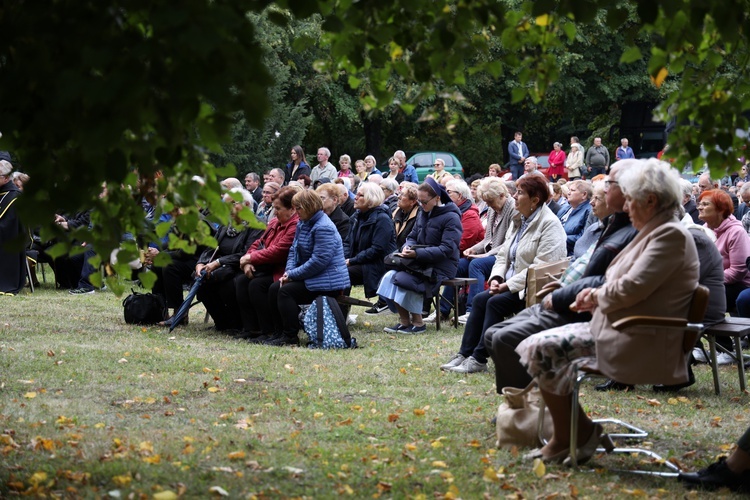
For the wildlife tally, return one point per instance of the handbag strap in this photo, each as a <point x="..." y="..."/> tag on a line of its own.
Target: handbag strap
<point x="511" y="391"/>
<point x="320" y="325"/>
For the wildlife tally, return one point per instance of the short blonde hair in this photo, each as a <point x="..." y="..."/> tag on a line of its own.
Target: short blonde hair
<point x="491" y="188"/>
<point x="5" y="168"/>
<point x="308" y="200"/>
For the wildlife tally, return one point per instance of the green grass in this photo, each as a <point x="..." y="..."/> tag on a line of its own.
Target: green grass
<point x="90" y="405"/>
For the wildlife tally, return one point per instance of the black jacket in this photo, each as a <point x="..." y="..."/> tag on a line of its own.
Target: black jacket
<point x="371" y="238"/>
<point x="616" y="236"/>
<point x="341" y="221"/>
<point x="232" y="246"/>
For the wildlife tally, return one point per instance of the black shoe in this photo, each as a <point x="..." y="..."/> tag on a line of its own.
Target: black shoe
<point x="282" y="340"/>
<point x="260" y="339"/>
<point x="676" y="387"/>
<point x="715" y="476"/>
<point x="378" y="308"/>
<point x="169" y="321"/>
<point x="612" y="385"/>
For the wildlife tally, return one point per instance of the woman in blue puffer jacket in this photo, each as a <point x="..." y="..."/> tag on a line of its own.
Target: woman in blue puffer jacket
<point x="432" y="244"/>
<point x="315" y="266"/>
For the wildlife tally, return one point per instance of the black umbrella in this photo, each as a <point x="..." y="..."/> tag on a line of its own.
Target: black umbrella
<point x="187" y="303"/>
<point x="185" y="307"/>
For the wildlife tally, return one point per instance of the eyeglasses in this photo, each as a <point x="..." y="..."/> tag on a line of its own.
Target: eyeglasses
<point x="436" y="164"/>
<point x="450" y="191"/>
<point x="268" y="192"/>
<point x="423" y="203"/>
<point x="609" y="183"/>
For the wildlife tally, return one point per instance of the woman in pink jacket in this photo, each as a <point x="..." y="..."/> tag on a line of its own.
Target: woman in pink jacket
<point x="715" y="208"/>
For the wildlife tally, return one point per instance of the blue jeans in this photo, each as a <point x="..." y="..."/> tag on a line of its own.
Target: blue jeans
<point x="596" y="171"/>
<point x="516" y="170"/>
<point x="488" y="310"/>
<point x="471" y="268"/>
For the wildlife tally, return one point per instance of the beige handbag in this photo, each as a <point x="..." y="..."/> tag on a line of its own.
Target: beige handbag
<point x="539" y="275"/>
<point x="518" y="418"/>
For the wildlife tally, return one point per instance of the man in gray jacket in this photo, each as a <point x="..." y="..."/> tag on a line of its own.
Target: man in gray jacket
<point x="597" y="159"/>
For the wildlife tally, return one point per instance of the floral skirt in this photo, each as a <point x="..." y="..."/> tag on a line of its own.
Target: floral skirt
<point x="392" y="294"/>
<point x="553" y="356"/>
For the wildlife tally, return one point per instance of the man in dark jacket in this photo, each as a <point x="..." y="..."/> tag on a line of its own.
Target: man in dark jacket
<point x="501" y="339"/>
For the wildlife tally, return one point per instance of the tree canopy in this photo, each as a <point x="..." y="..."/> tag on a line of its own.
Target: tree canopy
<point x="92" y="94"/>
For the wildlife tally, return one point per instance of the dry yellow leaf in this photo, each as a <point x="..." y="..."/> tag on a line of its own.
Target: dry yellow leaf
<point x="146" y="447"/>
<point x="37" y="477"/>
<point x="213" y="389"/>
<point x="418" y="412"/>
<point x="30" y="395"/>
<point x="122" y="481"/>
<point x="653" y="402"/>
<point x="490" y="475"/>
<point x="440" y="463"/>
<point x="156" y="459"/>
<point x="402" y="370"/>
<point x="410" y="446"/>
<point x="165" y="495"/>
<point x="539" y="468"/>
<point x="236" y="455"/>
<point x="392" y="417"/>
<point x="317" y="414"/>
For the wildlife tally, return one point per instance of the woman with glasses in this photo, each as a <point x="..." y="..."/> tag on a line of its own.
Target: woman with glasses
<point x="715" y="208"/>
<point x="431" y="251"/>
<point x="265" y="211"/>
<point x="477" y="260"/>
<point x="439" y="174"/>
<point x="536" y="236"/>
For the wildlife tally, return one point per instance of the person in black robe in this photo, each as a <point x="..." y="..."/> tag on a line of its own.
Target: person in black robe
<point x="12" y="257"/>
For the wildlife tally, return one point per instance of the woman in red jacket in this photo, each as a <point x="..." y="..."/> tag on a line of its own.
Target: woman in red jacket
<point x="556" y="162"/>
<point x="473" y="231"/>
<point x="263" y="264"/>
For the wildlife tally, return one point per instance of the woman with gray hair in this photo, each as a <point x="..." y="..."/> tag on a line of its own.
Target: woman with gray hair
<point x="390" y="191"/>
<point x="655" y="275"/>
<point x="371" y="238"/>
<point x="473" y="231"/>
<point x="556" y="162"/>
<point x="12" y="262"/>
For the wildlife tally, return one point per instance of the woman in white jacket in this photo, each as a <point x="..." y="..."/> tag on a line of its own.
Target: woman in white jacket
<point x="535" y="237"/>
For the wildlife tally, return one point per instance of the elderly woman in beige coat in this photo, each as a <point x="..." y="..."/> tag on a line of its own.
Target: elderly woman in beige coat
<point x="655" y="275"/>
<point x="536" y="236"/>
<point x="574" y="161"/>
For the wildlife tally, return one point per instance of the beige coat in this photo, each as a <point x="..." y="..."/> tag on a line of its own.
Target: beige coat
<point x="655" y="275"/>
<point x="542" y="242"/>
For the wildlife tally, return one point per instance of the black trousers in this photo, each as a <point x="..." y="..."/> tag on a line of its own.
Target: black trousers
<point x="486" y="310"/>
<point x="169" y="280"/>
<point x="502" y="339"/>
<point x="221" y="303"/>
<point x="253" y="303"/>
<point x="287" y="299"/>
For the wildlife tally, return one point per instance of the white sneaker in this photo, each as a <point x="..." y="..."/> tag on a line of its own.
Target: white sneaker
<point x="463" y="318"/>
<point x="723" y="358"/>
<point x="699" y="356"/>
<point x="470" y="365"/>
<point x="456" y="360"/>
<point x="431" y="317"/>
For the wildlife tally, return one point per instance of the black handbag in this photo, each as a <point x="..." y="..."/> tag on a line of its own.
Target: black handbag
<point x="144" y="309"/>
<point x="394" y="262"/>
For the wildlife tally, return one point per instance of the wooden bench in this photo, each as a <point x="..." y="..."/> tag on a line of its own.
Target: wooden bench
<point x="735" y="328"/>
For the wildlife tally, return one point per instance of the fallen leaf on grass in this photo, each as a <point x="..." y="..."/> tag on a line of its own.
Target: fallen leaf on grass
<point x="51" y="353"/>
<point x="419" y="412"/>
<point x="348" y="421"/>
<point x="122" y="360"/>
<point x="236" y="455"/>
<point x="122" y="481"/>
<point x="539" y="468"/>
<point x="165" y="495"/>
<point x="393" y="417"/>
<point x="440" y="463"/>
<point x="716" y="422"/>
<point x="294" y="470"/>
<point x="491" y="475"/>
<point x="213" y="389"/>
<point x="653" y="402"/>
<point x="218" y="490"/>
<point x="30" y="395"/>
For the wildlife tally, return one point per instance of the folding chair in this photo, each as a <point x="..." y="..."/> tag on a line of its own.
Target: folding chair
<point x="691" y="327"/>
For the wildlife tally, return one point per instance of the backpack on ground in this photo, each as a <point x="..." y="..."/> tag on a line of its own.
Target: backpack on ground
<point x="144" y="309"/>
<point x="325" y="325"/>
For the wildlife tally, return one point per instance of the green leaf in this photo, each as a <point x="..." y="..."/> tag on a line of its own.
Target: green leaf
<point x="147" y="279"/>
<point x="631" y="54"/>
